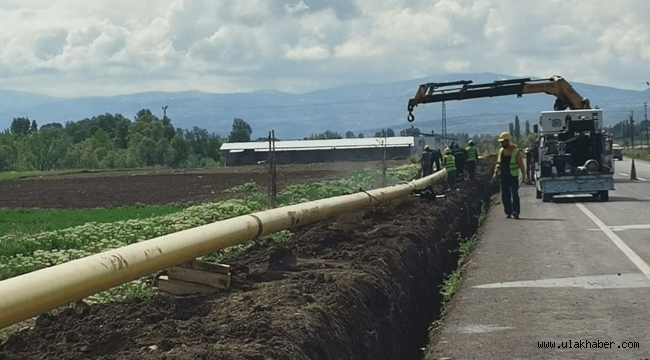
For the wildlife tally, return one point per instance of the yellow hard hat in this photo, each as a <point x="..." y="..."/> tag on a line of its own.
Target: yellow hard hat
<point x="504" y="136"/>
<point x="447" y="151"/>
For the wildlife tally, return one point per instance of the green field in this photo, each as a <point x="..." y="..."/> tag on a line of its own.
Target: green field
<point x="32" y="221"/>
<point x="642" y="154"/>
<point x="35" y="239"/>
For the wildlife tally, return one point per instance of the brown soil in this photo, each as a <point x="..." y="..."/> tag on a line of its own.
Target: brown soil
<point x="117" y="189"/>
<point x="364" y="293"/>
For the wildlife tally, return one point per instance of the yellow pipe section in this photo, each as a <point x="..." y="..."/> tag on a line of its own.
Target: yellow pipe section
<point x="28" y="295"/>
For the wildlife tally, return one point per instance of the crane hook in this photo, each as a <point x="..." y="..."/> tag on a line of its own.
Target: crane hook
<point x="410" y="116"/>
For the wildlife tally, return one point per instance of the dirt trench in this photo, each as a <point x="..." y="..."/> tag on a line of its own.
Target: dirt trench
<point x="369" y="292"/>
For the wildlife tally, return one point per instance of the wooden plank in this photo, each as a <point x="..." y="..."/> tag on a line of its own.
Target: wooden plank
<point x="207" y="266"/>
<point x="183" y="288"/>
<point x="217" y="280"/>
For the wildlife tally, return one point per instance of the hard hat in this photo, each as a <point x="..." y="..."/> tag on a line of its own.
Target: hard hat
<point x="504" y="136"/>
<point x="447" y="151"/>
<point x="471" y="143"/>
<point x="426" y="148"/>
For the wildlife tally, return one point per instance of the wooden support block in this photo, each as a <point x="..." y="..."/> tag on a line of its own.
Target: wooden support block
<point x="183" y="288"/>
<point x="216" y="280"/>
<point x="207" y="266"/>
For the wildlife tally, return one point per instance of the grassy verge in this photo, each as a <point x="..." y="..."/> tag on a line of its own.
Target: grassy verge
<point x="641" y="154"/>
<point x="453" y="281"/>
<point x="22" y="251"/>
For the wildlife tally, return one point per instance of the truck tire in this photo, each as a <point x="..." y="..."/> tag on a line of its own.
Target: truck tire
<point x="547" y="197"/>
<point x="603" y="195"/>
<point x="538" y="194"/>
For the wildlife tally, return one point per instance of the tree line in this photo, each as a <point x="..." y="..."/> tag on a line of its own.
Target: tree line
<point x="112" y="141"/>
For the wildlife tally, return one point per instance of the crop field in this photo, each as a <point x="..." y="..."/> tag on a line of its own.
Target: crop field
<point x="384" y="274"/>
<point x="32" y="238"/>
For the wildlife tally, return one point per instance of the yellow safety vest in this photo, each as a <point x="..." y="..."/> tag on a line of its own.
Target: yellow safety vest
<point x="471" y="154"/>
<point x="514" y="168"/>
<point x="450" y="162"/>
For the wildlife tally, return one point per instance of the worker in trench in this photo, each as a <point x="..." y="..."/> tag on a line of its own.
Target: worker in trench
<point x="460" y="155"/>
<point x="427" y="160"/>
<point x="472" y="159"/>
<point x="449" y="162"/>
<point x="508" y="168"/>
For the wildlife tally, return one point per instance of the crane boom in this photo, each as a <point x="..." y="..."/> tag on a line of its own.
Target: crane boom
<point x="566" y="96"/>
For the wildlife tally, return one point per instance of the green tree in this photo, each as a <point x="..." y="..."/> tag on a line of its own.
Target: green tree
<point x="517" y="134"/>
<point x="360" y="136"/>
<point x="390" y="133"/>
<point x="52" y="126"/>
<point x="47" y="148"/>
<point x="241" y="131"/>
<point x="527" y="131"/>
<point x="511" y="130"/>
<point x="34" y="126"/>
<point x="349" y="135"/>
<point x="182" y="149"/>
<point x="20" y="126"/>
<point x="412" y="131"/>
<point x="332" y="135"/>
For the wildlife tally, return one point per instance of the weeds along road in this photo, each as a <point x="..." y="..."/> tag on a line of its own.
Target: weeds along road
<point x="571" y="270"/>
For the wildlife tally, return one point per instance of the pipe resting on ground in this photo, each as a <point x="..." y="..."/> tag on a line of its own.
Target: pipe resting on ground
<point x="28" y="295"/>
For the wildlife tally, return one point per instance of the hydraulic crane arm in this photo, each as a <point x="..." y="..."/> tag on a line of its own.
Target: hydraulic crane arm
<point x="566" y="96"/>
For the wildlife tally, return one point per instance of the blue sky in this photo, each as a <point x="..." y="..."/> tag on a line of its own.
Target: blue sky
<point x="106" y="47"/>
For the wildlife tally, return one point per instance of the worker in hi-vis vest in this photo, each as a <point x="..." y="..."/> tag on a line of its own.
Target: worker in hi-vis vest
<point x="449" y="162"/>
<point x="509" y="166"/>
<point x="472" y="159"/>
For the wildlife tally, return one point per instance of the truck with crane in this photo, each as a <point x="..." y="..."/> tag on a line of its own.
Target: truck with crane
<point x="572" y="154"/>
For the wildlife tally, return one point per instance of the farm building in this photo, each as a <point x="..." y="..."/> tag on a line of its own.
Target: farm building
<point x="315" y="151"/>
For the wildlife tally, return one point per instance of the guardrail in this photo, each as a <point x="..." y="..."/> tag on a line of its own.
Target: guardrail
<point x="28" y="295"/>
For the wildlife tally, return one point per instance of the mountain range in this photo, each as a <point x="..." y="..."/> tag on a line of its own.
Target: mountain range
<point x="363" y="108"/>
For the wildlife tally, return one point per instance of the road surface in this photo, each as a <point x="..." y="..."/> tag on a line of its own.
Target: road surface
<point x="574" y="270"/>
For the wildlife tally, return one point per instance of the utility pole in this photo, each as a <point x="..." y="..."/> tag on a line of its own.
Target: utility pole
<point x="444" y="123"/>
<point x="647" y="125"/>
<point x="632" y="126"/>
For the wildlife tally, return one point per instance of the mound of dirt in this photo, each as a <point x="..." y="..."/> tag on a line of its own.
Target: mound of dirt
<point x="364" y="293"/>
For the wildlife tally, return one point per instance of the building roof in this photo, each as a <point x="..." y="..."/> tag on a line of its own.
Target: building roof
<point x="331" y="144"/>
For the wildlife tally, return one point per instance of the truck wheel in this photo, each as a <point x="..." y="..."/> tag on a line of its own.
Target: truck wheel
<point x="547" y="197"/>
<point x="604" y="195"/>
<point x="538" y="194"/>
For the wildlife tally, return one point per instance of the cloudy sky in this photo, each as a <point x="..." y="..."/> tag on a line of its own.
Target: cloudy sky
<point x="107" y="47"/>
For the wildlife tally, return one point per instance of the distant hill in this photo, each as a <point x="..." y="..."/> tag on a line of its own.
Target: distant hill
<point x="359" y="108"/>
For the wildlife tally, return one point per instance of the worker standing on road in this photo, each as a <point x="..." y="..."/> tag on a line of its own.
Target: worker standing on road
<point x="449" y="162"/>
<point x="509" y="165"/>
<point x="472" y="159"/>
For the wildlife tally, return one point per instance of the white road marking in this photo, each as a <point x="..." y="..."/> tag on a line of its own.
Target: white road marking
<point x="625" y="227"/>
<point x="481" y="329"/>
<point x="612" y="281"/>
<point x="642" y="265"/>
<point x="624" y="174"/>
<point x="630" y="227"/>
<point x="642" y="179"/>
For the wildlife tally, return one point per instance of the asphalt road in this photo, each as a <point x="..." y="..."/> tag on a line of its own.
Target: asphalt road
<point x="571" y="270"/>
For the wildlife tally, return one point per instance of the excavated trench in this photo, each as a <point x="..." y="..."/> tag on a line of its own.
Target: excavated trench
<point x="338" y="290"/>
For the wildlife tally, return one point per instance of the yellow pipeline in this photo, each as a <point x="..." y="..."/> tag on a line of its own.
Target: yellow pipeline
<point x="28" y="295"/>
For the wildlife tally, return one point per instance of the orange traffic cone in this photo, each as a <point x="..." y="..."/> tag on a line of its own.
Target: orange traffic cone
<point x="633" y="171"/>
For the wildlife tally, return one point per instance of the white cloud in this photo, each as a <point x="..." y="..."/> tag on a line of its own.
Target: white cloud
<point x="68" y="47"/>
<point x="296" y="8"/>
